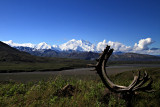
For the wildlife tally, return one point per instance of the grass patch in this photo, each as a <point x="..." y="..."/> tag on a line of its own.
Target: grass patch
<point x="51" y="64"/>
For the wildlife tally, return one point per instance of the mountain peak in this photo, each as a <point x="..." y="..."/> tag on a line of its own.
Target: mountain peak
<point x="73" y="40"/>
<point x="43" y="45"/>
<point x="77" y="45"/>
<point x="10" y="41"/>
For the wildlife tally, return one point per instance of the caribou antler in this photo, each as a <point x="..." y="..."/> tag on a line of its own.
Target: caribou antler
<point x="140" y="82"/>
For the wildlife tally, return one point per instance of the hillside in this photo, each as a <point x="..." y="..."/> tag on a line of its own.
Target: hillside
<point x="66" y="54"/>
<point x="8" y="54"/>
<point x="134" y="57"/>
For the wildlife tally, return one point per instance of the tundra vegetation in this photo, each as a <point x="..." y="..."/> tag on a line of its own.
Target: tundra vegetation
<point x="86" y="91"/>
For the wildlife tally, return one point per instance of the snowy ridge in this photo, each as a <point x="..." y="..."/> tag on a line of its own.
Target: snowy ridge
<point x="12" y="44"/>
<point x="76" y="45"/>
<point x="81" y="45"/>
<point x="39" y="46"/>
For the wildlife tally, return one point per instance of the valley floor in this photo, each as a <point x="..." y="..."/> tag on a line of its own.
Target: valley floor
<point x="78" y="73"/>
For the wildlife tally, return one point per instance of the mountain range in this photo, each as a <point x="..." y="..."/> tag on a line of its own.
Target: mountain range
<point x="141" y="47"/>
<point x="75" y="45"/>
<point x="72" y="49"/>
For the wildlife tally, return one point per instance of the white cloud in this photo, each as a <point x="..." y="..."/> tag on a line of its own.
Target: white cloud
<point x="117" y="46"/>
<point x="140" y="47"/>
<point x="101" y="45"/>
<point x="143" y="44"/>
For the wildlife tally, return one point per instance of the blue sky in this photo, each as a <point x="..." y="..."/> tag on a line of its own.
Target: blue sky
<point x="57" y="21"/>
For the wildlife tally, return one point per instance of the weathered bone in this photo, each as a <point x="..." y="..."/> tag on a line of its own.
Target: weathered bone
<point x="138" y="84"/>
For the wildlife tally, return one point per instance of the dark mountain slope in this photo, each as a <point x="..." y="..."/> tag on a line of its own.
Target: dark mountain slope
<point x="92" y="55"/>
<point x="134" y="57"/>
<point x="8" y="54"/>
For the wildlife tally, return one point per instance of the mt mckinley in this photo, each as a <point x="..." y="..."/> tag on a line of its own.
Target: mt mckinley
<point x="82" y="49"/>
<point x="75" y="45"/>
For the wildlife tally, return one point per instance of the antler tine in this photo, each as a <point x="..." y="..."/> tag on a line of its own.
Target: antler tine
<point x="135" y="81"/>
<point x="136" y="84"/>
<point x="145" y="74"/>
<point x="101" y="58"/>
<point x="104" y="52"/>
<point x="147" y="88"/>
<point x="145" y="79"/>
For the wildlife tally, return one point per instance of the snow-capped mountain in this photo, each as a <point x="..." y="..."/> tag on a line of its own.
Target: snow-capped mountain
<point x="43" y="45"/>
<point x="39" y="46"/>
<point x="77" y="45"/>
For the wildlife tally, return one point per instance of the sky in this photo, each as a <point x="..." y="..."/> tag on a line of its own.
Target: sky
<point x="58" y="21"/>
